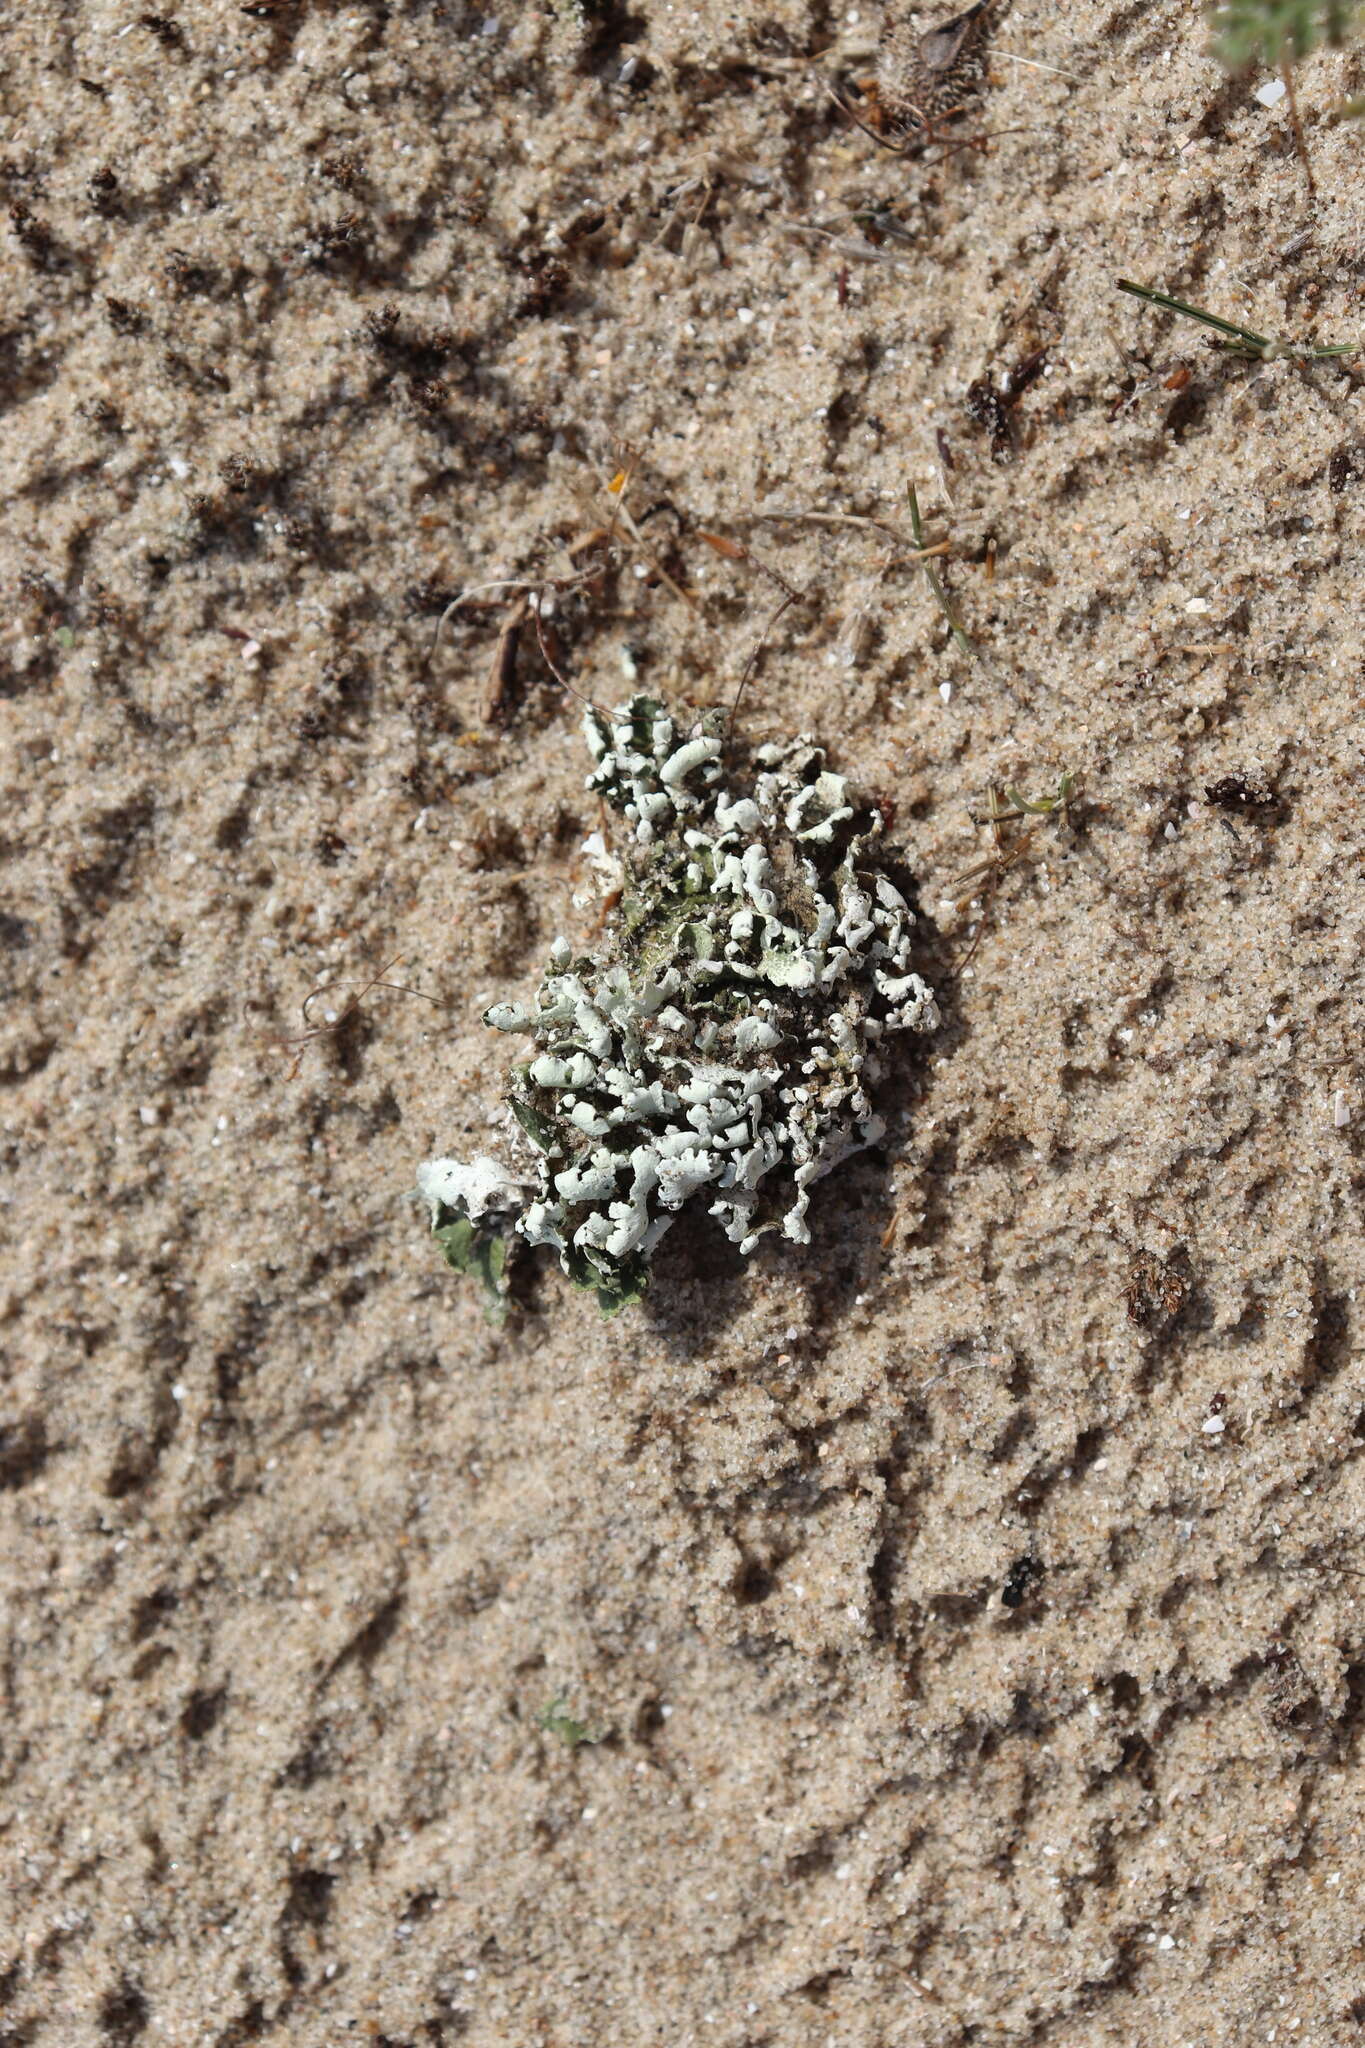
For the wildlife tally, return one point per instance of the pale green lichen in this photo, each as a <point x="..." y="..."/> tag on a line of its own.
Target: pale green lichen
<point x="725" y="1044"/>
<point x="473" y="1210"/>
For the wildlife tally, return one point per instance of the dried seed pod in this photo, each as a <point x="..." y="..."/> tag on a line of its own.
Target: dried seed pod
<point x="926" y="77"/>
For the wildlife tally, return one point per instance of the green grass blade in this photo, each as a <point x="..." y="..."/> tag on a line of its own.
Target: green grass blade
<point x="1241" y="340"/>
<point x="959" y="631"/>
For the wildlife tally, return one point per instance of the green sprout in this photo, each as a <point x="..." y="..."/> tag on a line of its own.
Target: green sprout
<point x="554" y="1717"/>
<point x="1043" y="806"/>
<point x="1242" y="341"/>
<point x="945" y="603"/>
<point x="1277" y="31"/>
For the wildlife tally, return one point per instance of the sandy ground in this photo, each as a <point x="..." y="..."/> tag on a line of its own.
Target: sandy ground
<point x="969" y="1607"/>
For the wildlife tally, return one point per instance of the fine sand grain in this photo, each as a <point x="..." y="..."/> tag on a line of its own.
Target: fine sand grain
<point x="969" y="1605"/>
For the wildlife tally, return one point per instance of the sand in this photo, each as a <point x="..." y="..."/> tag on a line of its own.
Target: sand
<point x="966" y="1609"/>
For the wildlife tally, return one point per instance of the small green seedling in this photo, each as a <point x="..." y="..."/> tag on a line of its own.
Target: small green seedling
<point x="1042" y="806"/>
<point x="1007" y="853"/>
<point x="1278" y="31"/>
<point x="1235" y="340"/>
<point x="554" y="1717"/>
<point x="945" y="603"/>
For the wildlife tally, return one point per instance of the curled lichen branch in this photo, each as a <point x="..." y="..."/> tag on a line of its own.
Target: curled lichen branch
<point x="724" y="1044"/>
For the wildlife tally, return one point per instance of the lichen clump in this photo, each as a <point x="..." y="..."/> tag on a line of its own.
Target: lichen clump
<point x="724" y="1044"/>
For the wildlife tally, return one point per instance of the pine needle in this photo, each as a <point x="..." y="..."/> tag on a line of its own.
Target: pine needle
<point x="1242" y="341"/>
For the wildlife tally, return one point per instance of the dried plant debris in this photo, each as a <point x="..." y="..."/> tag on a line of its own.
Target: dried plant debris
<point x="926" y="77"/>
<point x="1024" y="1573"/>
<point x="992" y="405"/>
<point x="723" y="1044"/>
<point x="1155" y="1291"/>
<point x="1250" y="793"/>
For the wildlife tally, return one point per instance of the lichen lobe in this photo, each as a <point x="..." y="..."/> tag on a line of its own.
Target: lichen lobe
<point x="724" y="1045"/>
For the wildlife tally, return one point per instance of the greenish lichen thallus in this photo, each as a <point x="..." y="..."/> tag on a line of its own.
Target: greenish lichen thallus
<point x="722" y="1046"/>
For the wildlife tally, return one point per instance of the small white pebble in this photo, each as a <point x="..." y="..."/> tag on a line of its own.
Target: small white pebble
<point x="1166" y="1941"/>
<point x="1341" y="1109"/>
<point x="1271" y="93"/>
<point x="1214" y="1426"/>
<point x="945" y="690"/>
<point x="150" y="1114"/>
<point x="744" y="315"/>
<point x="1199" y="605"/>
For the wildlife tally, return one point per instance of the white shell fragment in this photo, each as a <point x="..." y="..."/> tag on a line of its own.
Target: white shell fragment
<point x="725" y="1049"/>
